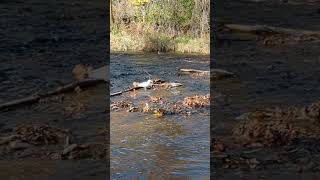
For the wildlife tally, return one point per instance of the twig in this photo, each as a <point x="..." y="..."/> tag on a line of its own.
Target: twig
<point x="127" y="90"/>
<point x="35" y="98"/>
<point x="256" y="29"/>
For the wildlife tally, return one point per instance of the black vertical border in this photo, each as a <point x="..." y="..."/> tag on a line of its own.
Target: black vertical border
<point x="108" y="4"/>
<point x="213" y="44"/>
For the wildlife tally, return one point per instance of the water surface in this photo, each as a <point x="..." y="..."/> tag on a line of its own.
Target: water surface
<point x="171" y="147"/>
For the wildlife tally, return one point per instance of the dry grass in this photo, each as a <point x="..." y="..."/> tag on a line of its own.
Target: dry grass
<point x="158" y="42"/>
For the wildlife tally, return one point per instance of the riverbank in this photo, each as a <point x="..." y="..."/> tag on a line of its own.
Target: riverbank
<point x="158" y="42"/>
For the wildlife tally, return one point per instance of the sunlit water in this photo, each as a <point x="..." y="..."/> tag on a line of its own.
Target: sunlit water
<point x="171" y="147"/>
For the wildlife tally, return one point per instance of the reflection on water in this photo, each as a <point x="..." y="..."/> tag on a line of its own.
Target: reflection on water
<point x="146" y="147"/>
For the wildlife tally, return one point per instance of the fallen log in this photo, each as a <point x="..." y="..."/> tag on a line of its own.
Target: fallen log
<point x="100" y="73"/>
<point x="63" y="89"/>
<point x="28" y="100"/>
<point x="218" y="74"/>
<point x="155" y="83"/>
<point x="215" y="73"/>
<point x="258" y="29"/>
<point x="124" y="91"/>
<point x="194" y="71"/>
<point x="70" y="87"/>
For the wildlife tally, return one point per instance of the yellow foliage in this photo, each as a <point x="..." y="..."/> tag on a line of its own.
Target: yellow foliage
<point x="159" y="113"/>
<point x="139" y="2"/>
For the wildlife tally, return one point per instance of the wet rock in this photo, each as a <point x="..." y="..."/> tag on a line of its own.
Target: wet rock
<point x="218" y="147"/>
<point x="69" y="149"/>
<point x="255" y="145"/>
<point x="5" y="140"/>
<point x="54" y="156"/>
<point x="54" y="99"/>
<point x="252" y="163"/>
<point x="197" y="101"/>
<point x="41" y="134"/>
<point x="18" y="145"/>
<point x="159" y="112"/>
<point x="313" y="111"/>
<point x="277" y="39"/>
<point x="86" y="151"/>
<point x="261" y="128"/>
<point x="77" y="90"/>
<point x="168" y="85"/>
<point x="120" y="105"/>
<point x="99" y="73"/>
<point x="155" y="99"/>
<point x="81" y="71"/>
<point x="133" y="109"/>
<point x="75" y="107"/>
<point x="279" y="126"/>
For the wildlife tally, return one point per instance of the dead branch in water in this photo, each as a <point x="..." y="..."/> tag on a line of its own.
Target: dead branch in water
<point x="194" y="71"/>
<point x="63" y="89"/>
<point x="157" y="82"/>
<point x="215" y="73"/>
<point x="258" y="29"/>
<point x="127" y="90"/>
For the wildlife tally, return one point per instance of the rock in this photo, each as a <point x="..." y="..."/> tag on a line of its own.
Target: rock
<point x="69" y="149"/>
<point x="81" y="71"/>
<point x="55" y="156"/>
<point x="243" y="116"/>
<point x="18" y="145"/>
<point x="218" y="147"/>
<point x="278" y="126"/>
<point x="252" y="163"/>
<point x="41" y="134"/>
<point x="86" y="151"/>
<point x="133" y="109"/>
<point x="5" y="140"/>
<point x="197" y="101"/>
<point x="100" y="73"/>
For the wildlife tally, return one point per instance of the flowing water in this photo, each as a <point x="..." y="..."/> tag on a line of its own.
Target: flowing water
<point x="284" y="75"/>
<point x="170" y="147"/>
<point x="267" y="77"/>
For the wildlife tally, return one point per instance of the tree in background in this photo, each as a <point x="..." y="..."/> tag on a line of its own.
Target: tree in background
<point x="172" y="17"/>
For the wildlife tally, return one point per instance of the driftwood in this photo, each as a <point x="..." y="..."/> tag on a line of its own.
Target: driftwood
<point x="100" y="73"/>
<point x="63" y="89"/>
<point x="127" y="90"/>
<point x="155" y="83"/>
<point x="194" y="71"/>
<point x="257" y="29"/>
<point x="215" y="73"/>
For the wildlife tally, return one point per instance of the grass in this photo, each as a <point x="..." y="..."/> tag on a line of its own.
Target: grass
<point x="158" y="42"/>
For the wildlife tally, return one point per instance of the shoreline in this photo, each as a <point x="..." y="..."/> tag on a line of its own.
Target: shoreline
<point x="159" y="43"/>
